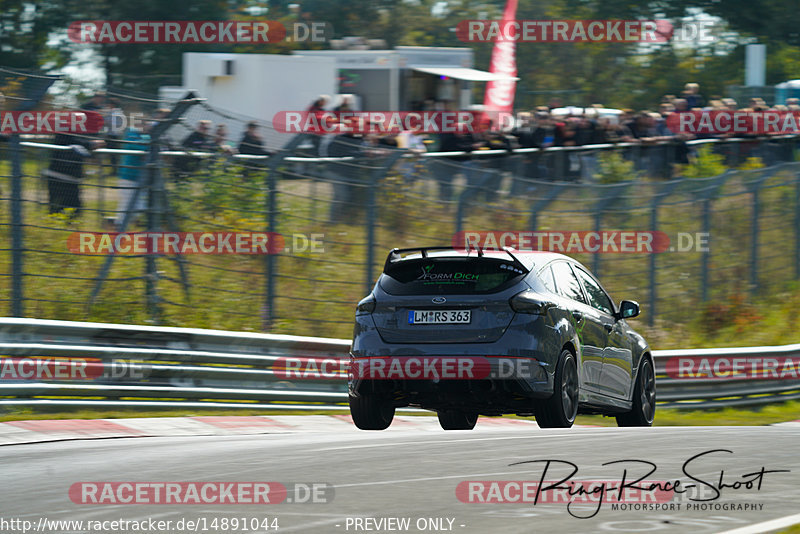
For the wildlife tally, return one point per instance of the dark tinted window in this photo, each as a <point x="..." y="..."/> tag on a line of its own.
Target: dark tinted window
<point x="546" y="275"/>
<point x="566" y="282"/>
<point x="449" y="276"/>
<point x="597" y="297"/>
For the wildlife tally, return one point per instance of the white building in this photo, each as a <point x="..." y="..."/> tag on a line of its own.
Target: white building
<point x="404" y="78"/>
<point x="257" y="86"/>
<point x="253" y="87"/>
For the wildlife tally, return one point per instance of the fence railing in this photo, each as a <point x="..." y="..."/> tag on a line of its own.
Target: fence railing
<point x="734" y="233"/>
<point x="182" y="368"/>
<point x="365" y="206"/>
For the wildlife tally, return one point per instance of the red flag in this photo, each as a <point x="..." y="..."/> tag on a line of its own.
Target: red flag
<point x="500" y="94"/>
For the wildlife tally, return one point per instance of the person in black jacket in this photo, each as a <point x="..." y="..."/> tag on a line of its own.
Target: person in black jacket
<point x="443" y="169"/>
<point x="252" y="143"/>
<point x="66" y="171"/>
<point x="346" y="176"/>
<point x="199" y="140"/>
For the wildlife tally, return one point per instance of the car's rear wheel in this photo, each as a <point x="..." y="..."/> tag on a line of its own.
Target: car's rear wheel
<point x="457" y="420"/>
<point x="643" y="410"/>
<point x="371" y="412"/>
<point x="560" y="410"/>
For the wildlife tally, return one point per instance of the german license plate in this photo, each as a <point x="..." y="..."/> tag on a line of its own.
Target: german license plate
<point x="439" y="316"/>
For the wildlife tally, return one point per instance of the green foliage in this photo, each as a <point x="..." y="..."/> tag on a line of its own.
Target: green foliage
<point x="222" y="190"/>
<point x="26" y="27"/>
<point x="735" y="312"/>
<point x="751" y="164"/>
<point x="612" y="168"/>
<point x="705" y="164"/>
<point x="615" y="74"/>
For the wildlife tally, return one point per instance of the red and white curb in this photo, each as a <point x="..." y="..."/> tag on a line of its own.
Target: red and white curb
<point x="17" y="432"/>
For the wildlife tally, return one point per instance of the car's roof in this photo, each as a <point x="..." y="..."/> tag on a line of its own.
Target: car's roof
<point x="531" y="259"/>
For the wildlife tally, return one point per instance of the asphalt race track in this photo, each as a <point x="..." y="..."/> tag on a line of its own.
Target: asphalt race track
<point x="412" y="473"/>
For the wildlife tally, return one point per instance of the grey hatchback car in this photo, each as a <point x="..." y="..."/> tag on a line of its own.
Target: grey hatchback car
<point x="472" y="332"/>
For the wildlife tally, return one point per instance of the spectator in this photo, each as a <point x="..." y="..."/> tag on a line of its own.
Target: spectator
<point x="680" y="105"/>
<point x="523" y="129"/>
<point x="131" y="173"/>
<point x="491" y="167"/>
<point x="730" y="104"/>
<point x="443" y="169"/>
<point x="220" y="141"/>
<point x="412" y="141"/>
<point x="318" y="105"/>
<point x="114" y="118"/>
<point x="197" y="141"/>
<point x="346" y="106"/>
<point x="345" y="175"/>
<point x="691" y="93"/>
<point x="317" y="108"/>
<point x="643" y="128"/>
<point x="96" y="103"/>
<point x="252" y="142"/>
<point x="66" y="171"/>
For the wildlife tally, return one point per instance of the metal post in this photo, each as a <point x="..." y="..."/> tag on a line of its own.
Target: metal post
<point x="32" y="89"/>
<point x="598" y="221"/>
<point x="663" y="190"/>
<point x="706" y="257"/>
<point x="754" y="239"/>
<point x="17" y="309"/>
<point x="153" y="225"/>
<point x="152" y="170"/>
<point x="374" y="182"/>
<point x="271" y="260"/>
<point x="651" y="314"/>
<point x="371" y="220"/>
<point x="797" y="225"/>
<point x="549" y="192"/>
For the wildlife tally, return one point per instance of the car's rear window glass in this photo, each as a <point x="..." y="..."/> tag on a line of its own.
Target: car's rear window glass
<point x="450" y="276"/>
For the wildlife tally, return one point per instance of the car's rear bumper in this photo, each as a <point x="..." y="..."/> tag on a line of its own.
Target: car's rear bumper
<point x="487" y="384"/>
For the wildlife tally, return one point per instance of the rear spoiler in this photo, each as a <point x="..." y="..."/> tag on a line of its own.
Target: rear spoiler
<point x="395" y="255"/>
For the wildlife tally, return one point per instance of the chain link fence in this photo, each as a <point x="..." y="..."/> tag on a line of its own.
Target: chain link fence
<point x="338" y="216"/>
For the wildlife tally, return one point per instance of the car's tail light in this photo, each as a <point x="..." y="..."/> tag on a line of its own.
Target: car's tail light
<point x="530" y="302"/>
<point x="366" y="305"/>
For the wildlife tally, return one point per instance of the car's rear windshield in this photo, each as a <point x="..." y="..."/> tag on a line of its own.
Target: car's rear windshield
<point x="450" y="276"/>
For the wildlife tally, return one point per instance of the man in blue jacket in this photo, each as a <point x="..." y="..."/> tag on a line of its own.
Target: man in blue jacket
<point x="132" y="172"/>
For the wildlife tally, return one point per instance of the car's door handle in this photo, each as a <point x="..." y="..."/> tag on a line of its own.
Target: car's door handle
<point x="578" y="316"/>
<point x="609" y="327"/>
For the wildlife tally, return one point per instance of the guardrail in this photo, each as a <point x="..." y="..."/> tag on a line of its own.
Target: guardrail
<point x="158" y="367"/>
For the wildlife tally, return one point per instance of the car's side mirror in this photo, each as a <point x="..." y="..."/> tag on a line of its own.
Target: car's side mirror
<point x="628" y="309"/>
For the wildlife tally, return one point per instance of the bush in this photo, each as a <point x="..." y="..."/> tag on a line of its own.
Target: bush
<point x="705" y="164"/>
<point x="613" y="168"/>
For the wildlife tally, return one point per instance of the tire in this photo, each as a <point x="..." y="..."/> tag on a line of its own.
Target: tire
<point x="643" y="410"/>
<point x="457" y="420"/>
<point x="560" y="410"/>
<point x="371" y="412"/>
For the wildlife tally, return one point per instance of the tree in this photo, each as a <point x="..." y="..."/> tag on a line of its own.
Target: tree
<point x="24" y="31"/>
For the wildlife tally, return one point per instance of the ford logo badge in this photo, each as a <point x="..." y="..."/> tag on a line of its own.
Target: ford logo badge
<point x="438" y="300"/>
